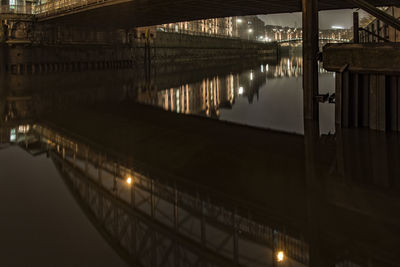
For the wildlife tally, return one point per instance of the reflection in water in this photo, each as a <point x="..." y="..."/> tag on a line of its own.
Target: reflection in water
<point x="164" y="221"/>
<point x="252" y="96"/>
<point x="164" y="191"/>
<point x="153" y="222"/>
<point x="214" y="94"/>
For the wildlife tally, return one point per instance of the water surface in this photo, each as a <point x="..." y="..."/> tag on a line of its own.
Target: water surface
<point x="89" y="177"/>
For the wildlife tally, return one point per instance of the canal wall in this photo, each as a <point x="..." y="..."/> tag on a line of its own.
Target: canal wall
<point x="28" y="47"/>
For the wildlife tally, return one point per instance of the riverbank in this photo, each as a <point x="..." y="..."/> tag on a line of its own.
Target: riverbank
<point x="30" y="48"/>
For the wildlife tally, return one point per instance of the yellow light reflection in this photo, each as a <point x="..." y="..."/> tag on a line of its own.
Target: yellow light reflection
<point x="280" y="256"/>
<point x="129" y="180"/>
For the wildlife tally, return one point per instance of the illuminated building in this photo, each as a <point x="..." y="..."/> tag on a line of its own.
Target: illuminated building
<point x="279" y="33"/>
<point x="248" y="27"/>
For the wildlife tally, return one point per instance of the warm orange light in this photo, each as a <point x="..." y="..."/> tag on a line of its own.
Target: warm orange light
<point x="280" y="256"/>
<point x="129" y="180"/>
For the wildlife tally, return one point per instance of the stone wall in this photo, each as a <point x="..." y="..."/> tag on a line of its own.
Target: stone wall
<point x="29" y="48"/>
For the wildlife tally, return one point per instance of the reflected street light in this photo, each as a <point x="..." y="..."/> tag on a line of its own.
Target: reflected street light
<point x="280" y="256"/>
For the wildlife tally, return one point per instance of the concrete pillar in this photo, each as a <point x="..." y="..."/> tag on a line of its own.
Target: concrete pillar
<point x="310" y="63"/>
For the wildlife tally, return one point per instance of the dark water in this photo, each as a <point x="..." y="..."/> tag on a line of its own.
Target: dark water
<point x="88" y="177"/>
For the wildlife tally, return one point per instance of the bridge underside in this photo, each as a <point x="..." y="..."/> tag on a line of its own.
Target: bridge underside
<point x="132" y="13"/>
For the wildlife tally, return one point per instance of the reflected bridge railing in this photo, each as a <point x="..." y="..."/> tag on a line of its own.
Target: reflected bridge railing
<point x="185" y="213"/>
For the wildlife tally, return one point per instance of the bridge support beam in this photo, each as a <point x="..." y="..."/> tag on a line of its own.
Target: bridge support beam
<point x="310" y="59"/>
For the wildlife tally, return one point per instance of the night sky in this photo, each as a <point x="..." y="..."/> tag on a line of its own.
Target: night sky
<point x="343" y="18"/>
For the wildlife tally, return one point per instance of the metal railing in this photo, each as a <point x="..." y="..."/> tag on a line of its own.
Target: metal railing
<point x="62" y="6"/>
<point x="377" y="30"/>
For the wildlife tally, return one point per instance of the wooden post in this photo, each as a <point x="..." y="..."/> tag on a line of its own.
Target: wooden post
<point x="365" y="100"/>
<point x="378" y="30"/>
<point x="338" y="100"/>
<point x="356" y="25"/>
<point x="355" y="96"/>
<point x="345" y="99"/>
<point x="393" y="103"/>
<point x="373" y="99"/>
<point x="398" y="104"/>
<point x="373" y="31"/>
<point x="381" y="103"/>
<point x="310" y="63"/>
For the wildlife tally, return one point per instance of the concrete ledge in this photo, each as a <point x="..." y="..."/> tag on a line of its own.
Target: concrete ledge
<point x="379" y="58"/>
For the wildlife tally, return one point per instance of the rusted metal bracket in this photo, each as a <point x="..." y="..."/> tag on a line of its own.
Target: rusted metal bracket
<point x="376" y="12"/>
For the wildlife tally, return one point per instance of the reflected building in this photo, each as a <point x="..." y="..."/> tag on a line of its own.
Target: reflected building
<point x="205" y="97"/>
<point x="211" y="94"/>
<point x="208" y="96"/>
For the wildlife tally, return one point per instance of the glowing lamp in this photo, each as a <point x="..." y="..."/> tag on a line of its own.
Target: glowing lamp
<point x="280" y="256"/>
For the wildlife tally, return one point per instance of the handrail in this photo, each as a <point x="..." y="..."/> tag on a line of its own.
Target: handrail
<point x="379" y="14"/>
<point x="375" y="35"/>
<point x="62" y="6"/>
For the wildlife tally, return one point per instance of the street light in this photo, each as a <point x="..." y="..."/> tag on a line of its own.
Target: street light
<point x="248" y="34"/>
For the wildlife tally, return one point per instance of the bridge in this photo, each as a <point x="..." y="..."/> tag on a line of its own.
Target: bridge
<point x="132" y="13"/>
<point x="323" y="39"/>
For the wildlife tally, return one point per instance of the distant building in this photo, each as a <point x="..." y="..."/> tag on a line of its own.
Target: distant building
<point x="336" y="34"/>
<point x="248" y="27"/>
<point x="279" y="33"/>
<point x="218" y="26"/>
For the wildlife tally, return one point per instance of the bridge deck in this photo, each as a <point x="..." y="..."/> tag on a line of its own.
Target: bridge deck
<point x="128" y="13"/>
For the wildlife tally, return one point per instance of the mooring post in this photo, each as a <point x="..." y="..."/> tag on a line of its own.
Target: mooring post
<point x="356" y="26"/>
<point x="310" y="62"/>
